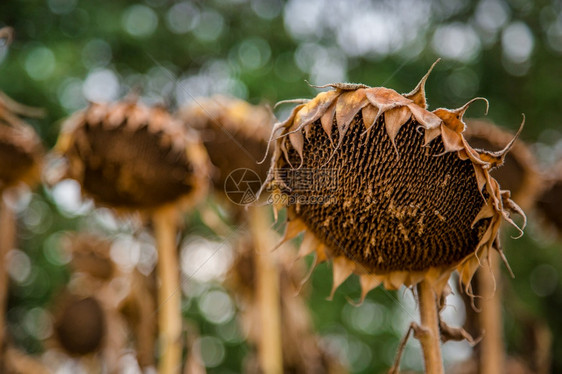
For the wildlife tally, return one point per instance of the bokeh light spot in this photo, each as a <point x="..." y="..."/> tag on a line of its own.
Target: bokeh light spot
<point x="61" y="6"/>
<point x="210" y="26"/>
<point x="18" y="265"/>
<point x="101" y="85"/>
<point x="66" y="195"/>
<point x="456" y="41"/>
<point x="267" y="9"/>
<point x="40" y="63"/>
<point x="205" y="260"/>
<point x="139" y="21"/>
<point x="211" y="349"/>
<point x="216" y="306"/>
<point x="96" y="53"/>
<point x="517" y="42"/>
<point x="182" y="17"/>
<point x="544" y="280"/>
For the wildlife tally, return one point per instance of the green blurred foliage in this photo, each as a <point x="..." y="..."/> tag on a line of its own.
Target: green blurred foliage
<point x="263" y="50"/>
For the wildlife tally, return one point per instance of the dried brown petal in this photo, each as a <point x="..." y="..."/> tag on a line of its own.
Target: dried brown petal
<point x="393" y="120"/>
<point x="417" y="95"/>
<point x="347" y="106"/>
<point x="368" y="282"/>
<point x="519" y="172"/>
<point x="342" y="269"/>
<point x="324" y="101"/>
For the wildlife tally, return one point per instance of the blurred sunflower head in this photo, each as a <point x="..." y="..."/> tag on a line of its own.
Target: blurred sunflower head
<point x="21" y="151"/>
<point x="549" y="203"/>
<point x="90" y="255"/>
<point x="133" y="158"/>
<point x="234" y="132"/>
<point x="387" y="189"/>
<point x="80" y="325"/>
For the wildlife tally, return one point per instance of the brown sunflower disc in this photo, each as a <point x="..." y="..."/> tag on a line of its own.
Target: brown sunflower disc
<point x="80" y="326"/>
<point x="131" y="157"/>
<point x="388" y="210"/>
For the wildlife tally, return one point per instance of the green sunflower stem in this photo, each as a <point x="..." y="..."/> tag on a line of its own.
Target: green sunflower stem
<point x="169" y="292"/>
<point x="267" y="283"/>
<point x="429" y="334"/>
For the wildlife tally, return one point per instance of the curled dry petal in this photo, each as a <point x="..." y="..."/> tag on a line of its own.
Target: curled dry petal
<point x="497" y="158"/>
<point x="417" y="95"/>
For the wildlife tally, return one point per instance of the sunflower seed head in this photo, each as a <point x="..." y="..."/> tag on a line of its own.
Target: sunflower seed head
<point x="234" y="133"/>
<point x="412" y="199"/>
<point x="80" y="325"/>
<point x="131" y="157"/>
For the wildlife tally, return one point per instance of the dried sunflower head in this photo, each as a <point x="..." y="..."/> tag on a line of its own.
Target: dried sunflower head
<point x="519" y="173"/>
<point x="386" y="188"/>
<point x="234" y="132"/>
<point x="21" y="151"/>
<point x="131" y="157"/>
<point x="90" y="255"/>
<point x="80" y="325"/>
<point x="549" y="202"/>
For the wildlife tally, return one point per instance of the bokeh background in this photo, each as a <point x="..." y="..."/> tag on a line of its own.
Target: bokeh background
<point x="69" y="52"/>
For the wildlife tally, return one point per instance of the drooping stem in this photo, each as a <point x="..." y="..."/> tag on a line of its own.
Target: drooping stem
<point x="7" y="240"/>
<point x="492" y="348"/>
<point x="429" y="334"/>
<point x="169" y="292"/>
<point x="267" y="279"/>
